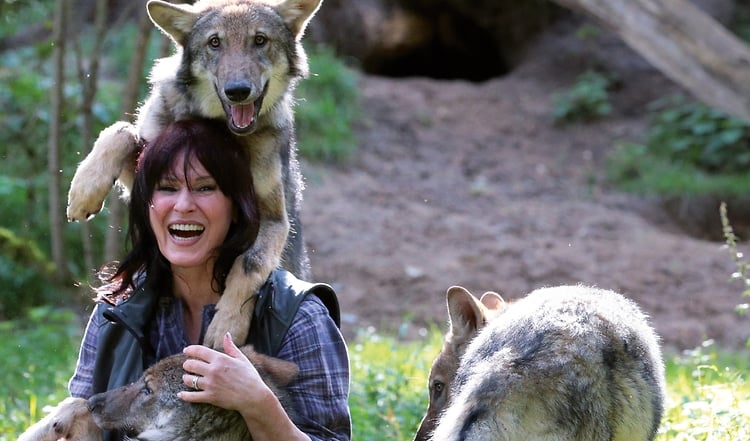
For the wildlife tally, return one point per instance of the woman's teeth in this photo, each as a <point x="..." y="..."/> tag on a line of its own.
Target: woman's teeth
<point x="186" y="230"/>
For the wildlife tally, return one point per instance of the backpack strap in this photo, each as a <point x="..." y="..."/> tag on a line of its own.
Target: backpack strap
<point x="277" y="304"/>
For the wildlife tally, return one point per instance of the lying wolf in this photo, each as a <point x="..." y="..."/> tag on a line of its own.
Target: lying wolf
<point x="149" y="409"/>
<point x="237" y="60"/>
<point x="570" y="363"/>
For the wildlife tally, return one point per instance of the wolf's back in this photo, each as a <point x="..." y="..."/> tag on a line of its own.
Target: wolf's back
<point x="565" y="363"/>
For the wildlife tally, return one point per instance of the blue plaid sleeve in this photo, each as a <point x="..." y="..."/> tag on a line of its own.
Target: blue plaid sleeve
<point x="81" y="384"/>
<point x="320" y="393"/>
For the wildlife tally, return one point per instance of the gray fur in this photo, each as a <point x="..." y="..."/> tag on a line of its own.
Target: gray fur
<point x="566" y="363"/>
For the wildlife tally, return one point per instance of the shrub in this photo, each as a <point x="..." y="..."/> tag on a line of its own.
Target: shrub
<point x="701" y="136"/>
<point x="690" y="149"/>
<point x="587" y="100"/>
<point x="327" y="108"/>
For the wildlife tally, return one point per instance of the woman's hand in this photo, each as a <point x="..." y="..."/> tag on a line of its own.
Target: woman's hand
<point x="230" y="381"/>
<point x="226" y="379"/>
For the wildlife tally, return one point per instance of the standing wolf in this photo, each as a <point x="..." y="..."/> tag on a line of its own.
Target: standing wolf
<point x="237" y="60"/>
<point x="570" y="363"/>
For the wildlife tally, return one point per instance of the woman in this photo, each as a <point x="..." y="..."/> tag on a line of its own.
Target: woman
<point x="192" y="212"/>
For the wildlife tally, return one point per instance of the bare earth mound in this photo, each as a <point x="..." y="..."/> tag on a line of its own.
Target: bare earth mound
<point x="458" y="183"/>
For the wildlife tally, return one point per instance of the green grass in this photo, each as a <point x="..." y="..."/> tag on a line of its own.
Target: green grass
<point x="38" y="355"/>
<point x="706" y="397"/>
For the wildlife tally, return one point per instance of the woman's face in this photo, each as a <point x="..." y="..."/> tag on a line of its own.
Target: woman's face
<point x="190" y="216"/>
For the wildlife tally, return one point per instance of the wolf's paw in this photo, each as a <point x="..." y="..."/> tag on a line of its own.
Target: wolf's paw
<point x="85" y="199"/>
<point x="115" y="150"/>
<point x="233" y="313"/>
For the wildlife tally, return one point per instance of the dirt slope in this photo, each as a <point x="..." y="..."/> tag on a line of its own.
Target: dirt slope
<point x="471" y="184"/>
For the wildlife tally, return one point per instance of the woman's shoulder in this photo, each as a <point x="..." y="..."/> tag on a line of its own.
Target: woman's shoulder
<point x="311" y="297"/>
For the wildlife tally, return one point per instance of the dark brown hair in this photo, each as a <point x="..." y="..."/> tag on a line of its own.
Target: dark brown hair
<point x="226" y="160"/>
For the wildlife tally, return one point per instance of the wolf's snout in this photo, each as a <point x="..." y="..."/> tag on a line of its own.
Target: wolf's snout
<point x="238" y="91"/>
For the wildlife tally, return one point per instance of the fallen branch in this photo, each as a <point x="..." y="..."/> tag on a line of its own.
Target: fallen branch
<point x="684" y="43"/>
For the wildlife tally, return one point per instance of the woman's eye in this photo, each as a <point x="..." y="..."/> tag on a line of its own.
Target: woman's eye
<point x="205" y="188"/>
<point x="166" y="188"/>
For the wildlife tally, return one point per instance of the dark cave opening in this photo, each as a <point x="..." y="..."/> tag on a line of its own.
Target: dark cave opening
<point x="456" y="49"/>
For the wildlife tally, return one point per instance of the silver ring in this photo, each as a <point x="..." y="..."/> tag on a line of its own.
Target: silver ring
<point x="195" y="382"/>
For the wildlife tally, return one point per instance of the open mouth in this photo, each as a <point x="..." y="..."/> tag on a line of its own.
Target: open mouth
<point x="186" y="231"/>
<point x="243" y="117"/>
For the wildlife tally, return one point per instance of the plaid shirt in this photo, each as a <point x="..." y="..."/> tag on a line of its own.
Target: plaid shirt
<point x="320" y="392"/>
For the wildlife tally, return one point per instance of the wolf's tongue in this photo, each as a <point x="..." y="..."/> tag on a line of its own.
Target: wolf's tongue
<point x="242" y="114"/>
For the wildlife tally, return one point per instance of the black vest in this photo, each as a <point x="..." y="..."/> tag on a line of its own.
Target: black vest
<point x="122" y="339"/>
<point x="277" y="304"/>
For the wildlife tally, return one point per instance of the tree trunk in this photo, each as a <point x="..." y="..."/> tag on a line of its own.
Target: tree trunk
<point x="683" y="42"/>
<point x="56" y="208"/>
<point x="114" y="240"/>
<point x="89" y="79"/>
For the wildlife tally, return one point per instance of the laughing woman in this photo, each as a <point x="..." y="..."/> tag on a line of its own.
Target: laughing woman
<point x="192" y="212"/>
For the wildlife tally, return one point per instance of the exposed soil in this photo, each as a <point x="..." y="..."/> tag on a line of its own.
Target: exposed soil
<point x="459" y="183"/>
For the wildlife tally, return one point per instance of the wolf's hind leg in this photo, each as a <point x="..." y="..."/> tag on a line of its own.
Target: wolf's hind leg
<point x="69" y="421"/>
<point x="114" y="153"/>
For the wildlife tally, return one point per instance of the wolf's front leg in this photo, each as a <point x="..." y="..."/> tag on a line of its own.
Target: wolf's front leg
<point x="114" y="153"/>
<point x="235" y="308"/>
<point x="248" y="274"/>
<point x="71" y="420"/>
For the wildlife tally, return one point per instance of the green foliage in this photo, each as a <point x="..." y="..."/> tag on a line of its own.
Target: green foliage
<point x="707" y="388"/>
<point x="704" y="137"/>
<point x="39" y="354"/>
<point x="327" y="108"/>
<point x="389" y="385"/>
<point x="743" y="267"/>
<point x="586" y="100"/>
<point x="707" y="396"/>
<point x="633" y="167"/>
<point x="24" y="272"/>
<point x="17" y="15"/>
<point x="691" y="149"/>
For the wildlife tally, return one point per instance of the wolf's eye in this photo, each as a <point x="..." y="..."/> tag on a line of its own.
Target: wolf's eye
<point x="145" y="390"/>
<point x="260" y="39"/>
<point x="437" y="389"/>
<point x="214" y="42"/>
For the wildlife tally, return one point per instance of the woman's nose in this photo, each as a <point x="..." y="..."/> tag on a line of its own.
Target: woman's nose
<point x="185" y="201"/>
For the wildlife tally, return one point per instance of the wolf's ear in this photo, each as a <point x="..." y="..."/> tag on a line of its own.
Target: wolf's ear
<point x="297" y="13"/>
<point x="465" y="312"/>
<point x="493" y="304"/>
<point x="174" y="20"/>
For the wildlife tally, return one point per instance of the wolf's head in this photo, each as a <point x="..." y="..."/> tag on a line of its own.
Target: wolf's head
<point x="148" y="408"/>
<point x="468" y="315"/>
<point x="240" y="58"/>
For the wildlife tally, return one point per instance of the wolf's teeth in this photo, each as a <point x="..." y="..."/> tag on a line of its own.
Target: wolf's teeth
<point x="243" y="115"/>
